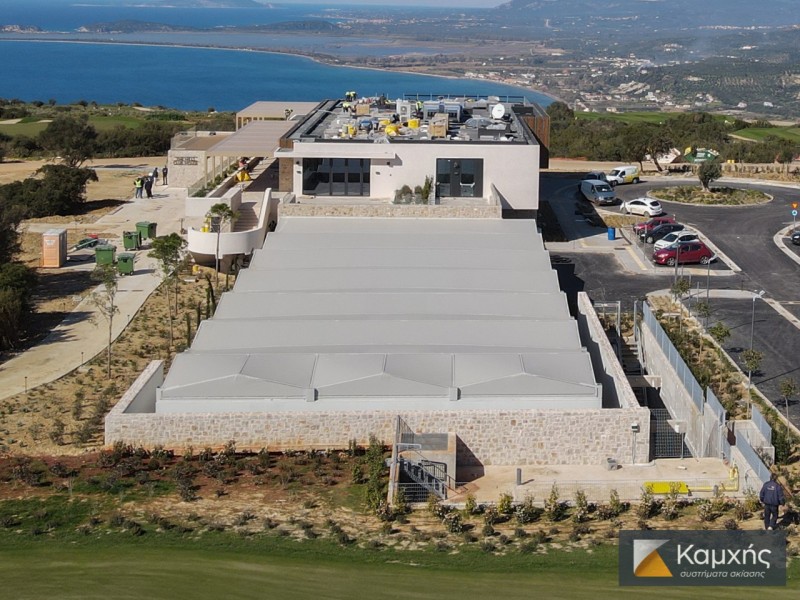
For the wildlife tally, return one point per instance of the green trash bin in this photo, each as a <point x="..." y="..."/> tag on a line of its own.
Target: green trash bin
<point x="143" y="228"/>
<point x="125" y="263"/>
<point x="104" y="254"/>
<point x="151" y="230"/>
<point x="130" y="240"/>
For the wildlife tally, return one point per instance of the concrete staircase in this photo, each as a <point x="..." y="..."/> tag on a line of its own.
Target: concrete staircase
<point x="252" y="198"/>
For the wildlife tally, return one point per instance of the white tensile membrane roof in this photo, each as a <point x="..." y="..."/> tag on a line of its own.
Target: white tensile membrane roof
<point x="340" y="313"/>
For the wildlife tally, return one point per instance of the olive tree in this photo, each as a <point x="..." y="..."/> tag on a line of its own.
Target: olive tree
<point x="70" y="138"/>
<point x="708" y="172"/>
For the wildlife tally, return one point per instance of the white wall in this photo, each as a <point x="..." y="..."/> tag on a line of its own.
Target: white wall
<point x="204" y="244"/>
<point x="513" y="168"/>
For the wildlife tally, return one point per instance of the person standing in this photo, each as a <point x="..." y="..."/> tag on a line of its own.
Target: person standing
<point x="771" y="497"/>
<point x="155" y="175"/>
<point x="148" y="186"/>
<point x="164" y="172"/>
<point x="138" y="185"/>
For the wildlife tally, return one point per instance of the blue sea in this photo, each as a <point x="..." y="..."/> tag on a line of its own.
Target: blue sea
<point x="181" y="71"/>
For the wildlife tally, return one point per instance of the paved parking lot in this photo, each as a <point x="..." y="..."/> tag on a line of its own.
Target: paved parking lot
<point x="754" y="257"/>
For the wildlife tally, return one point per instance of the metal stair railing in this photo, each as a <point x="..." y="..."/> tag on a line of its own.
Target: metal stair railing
<point x="421" y="475"/>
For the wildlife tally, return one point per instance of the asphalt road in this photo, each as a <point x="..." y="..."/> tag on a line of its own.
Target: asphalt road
<point x="745" y="234"/>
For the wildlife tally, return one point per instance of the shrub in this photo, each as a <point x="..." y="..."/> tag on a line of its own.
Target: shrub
<point x="730" y="524"/>
<point x="553" y="507"/>
<point x="491" y="516"/>
<point x="343" y="538"/>
<point x="647" y="504"/>
<point x="505" y="504"/>
<point x="581" y="511"/>
<point x="529" y="547"/>
<point x="740" y="511"/>
<point x="526" y="512"/>
<point x="470" y="505"/>
<point x="452" y="523"/>
<point x="488" y="530"/>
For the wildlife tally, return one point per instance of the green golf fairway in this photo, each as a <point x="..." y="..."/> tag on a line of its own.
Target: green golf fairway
<point x="171" y="569"/>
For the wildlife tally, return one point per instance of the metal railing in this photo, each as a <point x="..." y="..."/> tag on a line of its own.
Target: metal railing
<point x="761" y="424"/>
<point x="707" y="426"/>
<point x="422" y="474"/>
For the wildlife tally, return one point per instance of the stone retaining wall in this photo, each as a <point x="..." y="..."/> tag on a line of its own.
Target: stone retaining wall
<point x="522" y="437"/>
<point x="391" y="210"/>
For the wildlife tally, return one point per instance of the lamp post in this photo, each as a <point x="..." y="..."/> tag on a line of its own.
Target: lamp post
<point x="756" y="296"/>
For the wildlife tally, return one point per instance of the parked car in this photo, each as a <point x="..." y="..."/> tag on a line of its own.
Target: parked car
<point x="651" y="224"/>
<point x="598" y="175"/>
<point x="796" y="238"/>
<point x="597" y="191"/>
<point x="676" y="237"/>
<point x="624" y="174"/>
<point x="642" y="206"/>
<point x="689" y="252"/>
<point x="655" y="234"/>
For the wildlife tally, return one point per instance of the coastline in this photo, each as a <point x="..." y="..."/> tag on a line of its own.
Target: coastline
<point x="327" y="60"/>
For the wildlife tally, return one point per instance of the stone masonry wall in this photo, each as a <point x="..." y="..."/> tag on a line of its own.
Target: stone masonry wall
<point x="391" y="210"/>
<point x="522" y="437"/>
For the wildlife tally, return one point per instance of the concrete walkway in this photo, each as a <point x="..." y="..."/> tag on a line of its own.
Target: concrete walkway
<point x="84" y="333"/>
<point x="596" y="481"/>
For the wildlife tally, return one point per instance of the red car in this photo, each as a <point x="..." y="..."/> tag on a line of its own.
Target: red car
<point x="651" y="224"/>
<point x="687" y="252"/>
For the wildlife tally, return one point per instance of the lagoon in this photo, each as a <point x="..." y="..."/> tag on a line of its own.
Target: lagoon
<point x="190" y="78"/>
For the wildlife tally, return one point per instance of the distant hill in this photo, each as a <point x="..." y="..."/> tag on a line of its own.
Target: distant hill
<point x="183" y="3"/>
<point x="653" y="14"/>
<point x="314" y="25"/>
<point x="130" y="26"/>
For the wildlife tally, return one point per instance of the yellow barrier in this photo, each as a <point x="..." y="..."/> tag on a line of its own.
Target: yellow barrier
<point x="665" y="487"/>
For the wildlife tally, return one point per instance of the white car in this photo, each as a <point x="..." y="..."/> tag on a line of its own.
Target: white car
<point x="676" y="237"/>
<point x="642" y="206"/>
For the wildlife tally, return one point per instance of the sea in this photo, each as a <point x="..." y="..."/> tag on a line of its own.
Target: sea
<point x="214" y="69"/>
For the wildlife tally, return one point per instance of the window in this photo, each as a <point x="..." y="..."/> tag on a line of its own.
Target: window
<point x="336" y="176"/>
<point x="459" y="177"/>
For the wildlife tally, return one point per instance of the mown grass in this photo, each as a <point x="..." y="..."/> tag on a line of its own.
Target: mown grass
<point x="758" y="134"/>
<point x="627" y="117"/>
<point x="224" y="566"/>
<point x="32" y="127"/>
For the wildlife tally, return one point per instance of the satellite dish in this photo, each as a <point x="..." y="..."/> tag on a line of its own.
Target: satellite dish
<point x="498" y="111"/>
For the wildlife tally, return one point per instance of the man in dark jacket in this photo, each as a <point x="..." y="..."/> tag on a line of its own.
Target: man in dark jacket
<point x="771" y="497"/>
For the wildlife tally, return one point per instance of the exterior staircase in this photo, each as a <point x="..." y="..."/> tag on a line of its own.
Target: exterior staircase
<point x="424" y="464"/>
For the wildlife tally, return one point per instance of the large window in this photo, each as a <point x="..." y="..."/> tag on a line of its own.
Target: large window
<point x="336" y="176"/>
<point x="459" y="178"/>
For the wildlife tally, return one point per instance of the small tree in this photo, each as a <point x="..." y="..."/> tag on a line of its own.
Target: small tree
<point x="720" y="332"/>
<point x="679" y="289"/>
<point x="167" y="250"/>
<point x="788" y="388"/>
<point x="708" y="172"/>
<point x="752" y="362"/>
<point x="105" y="301"/>
<point x="703" y="310"/>
<point x="222" y="213"/>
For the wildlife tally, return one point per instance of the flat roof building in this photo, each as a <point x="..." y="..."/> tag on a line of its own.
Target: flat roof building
<point x="392" y="290"/>
<point x="403" y="314"/>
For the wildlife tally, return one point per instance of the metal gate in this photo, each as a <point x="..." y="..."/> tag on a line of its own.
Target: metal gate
<point x="664" y="441"/>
